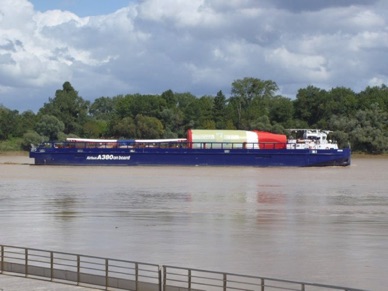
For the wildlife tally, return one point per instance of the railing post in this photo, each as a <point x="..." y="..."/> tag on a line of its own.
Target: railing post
<point x="25" y="262"/>
<point x="106" y="274"/>
<point x="137" y="275"/>
<point x="225" y="281"/>
<point x="189" y="279"/>
<point x="302" y="287"/>
<point x="52" y="265"/>
<point x="262" y="284"/>
<point x="2" y="260"/>
<point x="160" y="278"/>
<point x="78" y="269"/>
<point x="164" y="278"/>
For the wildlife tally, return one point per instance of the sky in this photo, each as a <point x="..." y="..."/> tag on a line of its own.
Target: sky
<point x="105" y="48"/>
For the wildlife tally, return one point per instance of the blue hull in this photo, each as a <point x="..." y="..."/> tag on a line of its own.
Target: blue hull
<point x="191" y="157"/>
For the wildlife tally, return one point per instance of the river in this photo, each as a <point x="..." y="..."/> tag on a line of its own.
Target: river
<point x="323" y="225"/>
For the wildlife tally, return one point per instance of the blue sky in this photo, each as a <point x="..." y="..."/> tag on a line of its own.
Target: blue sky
<point x="105" y="48"/>
<point x="81" y="7"/>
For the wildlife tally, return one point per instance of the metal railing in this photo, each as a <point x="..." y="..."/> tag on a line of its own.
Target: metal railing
<point x="127" y="275"/>
<point x="177" y="278"/>
<point x="80" y="269"/>
<point x="158" y="144"/>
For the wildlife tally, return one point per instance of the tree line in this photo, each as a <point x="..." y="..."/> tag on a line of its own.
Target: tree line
<point x="360" y="119"/>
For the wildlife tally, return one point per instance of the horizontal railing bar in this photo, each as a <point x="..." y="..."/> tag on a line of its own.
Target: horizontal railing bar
<point x="91" y="262"/>
<point x="13" y="252"/>
<point x="92" y="269"/>
<point x="66" y="265"/>
<point x="86" y="265"/>
<point x="38" y="256"/>
<point x="128" y="269"/>
<point x="81" y="256"/>
<point x="281" y="288"/>
<point x="67" y="262"/>
<point x="201" y="284"/>
<point x="149" y="277"/>
<point x="129" y="274"/>
<point x="38" y="261"/>
<point x="64" y="259"/>
<point x="15" y="258"/>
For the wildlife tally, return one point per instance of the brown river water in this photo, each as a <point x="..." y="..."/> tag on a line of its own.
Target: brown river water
<point x="322" y="225"/>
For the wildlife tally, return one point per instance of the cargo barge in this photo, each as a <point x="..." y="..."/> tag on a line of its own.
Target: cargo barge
<point x="199" y="148"/>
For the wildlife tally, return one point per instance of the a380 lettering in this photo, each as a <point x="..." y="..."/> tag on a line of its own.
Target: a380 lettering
<point x="105" y="157"/>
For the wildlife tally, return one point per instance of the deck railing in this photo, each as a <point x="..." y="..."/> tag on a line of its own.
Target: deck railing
<point x="160" y="145"/>
<point x="127" y="275"/>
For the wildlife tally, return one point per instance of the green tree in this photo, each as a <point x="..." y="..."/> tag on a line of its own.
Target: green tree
<point x="172" y="118"/>
<point x="68" y="107"/>
<point x="49" y="126"/>
<point x="10" y="124"/>
<point x="28" y="120"/>
<point x="187" y="104"/>
<point x="184" y="100"/>
<point x="205" y="117"/>
<point x="281" y="110"/>
<point x="122" y="106"/>
<point x="124" y="127"/>
<point x="338" y="101"/>
<point x="261" y="123"/>
<point x="199" y="113"/>
<point x="132" y="105"/>
<point x="308" y="105"/>
<point x="367" y="130"/>
<point x="374" y="95"/>
<point x="30" y="138"/>
<point x="219" y="110"/>
<point x="102" y="108"/>
<point x="251" y="98"/>
<point x="148" y="127"/>
<point x="149" y="105"/>
<point x="169" y="98"/>
<point x="95" y="128"/>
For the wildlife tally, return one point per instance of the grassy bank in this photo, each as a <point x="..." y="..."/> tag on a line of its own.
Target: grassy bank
<point x="11" y="145"/>
<point x="369" y="156"/>
<point x="13" y="153"/>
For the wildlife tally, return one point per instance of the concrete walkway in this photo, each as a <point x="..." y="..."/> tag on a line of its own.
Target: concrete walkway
<point x="18" y="283"/>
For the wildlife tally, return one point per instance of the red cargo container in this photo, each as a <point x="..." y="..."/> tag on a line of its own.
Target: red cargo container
<point x="269" y="140"/>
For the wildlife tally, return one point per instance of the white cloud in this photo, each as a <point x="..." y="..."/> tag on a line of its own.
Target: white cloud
<point x="180" y="12"/>
<point x="53" y="18"/>
<point x="200" y="46"/>
<point x="378" y="81"/>
<point x="369" y="40"/>
<point x="366" y="20"/>
<point x="309" y="67"/>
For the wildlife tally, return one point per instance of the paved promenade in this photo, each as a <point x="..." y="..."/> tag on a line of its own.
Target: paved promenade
<point x="17" y="283"/>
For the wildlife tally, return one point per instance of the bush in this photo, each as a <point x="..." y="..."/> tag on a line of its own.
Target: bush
<point x="31" y="138"/>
